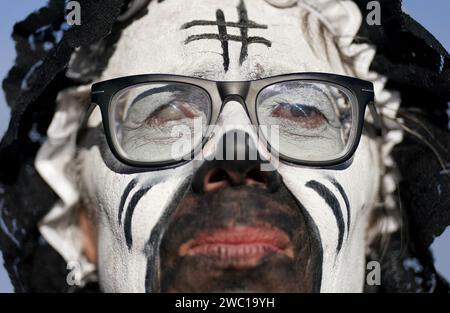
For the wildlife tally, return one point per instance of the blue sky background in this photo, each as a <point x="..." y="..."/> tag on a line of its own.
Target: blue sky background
<point x="433" y="14"/>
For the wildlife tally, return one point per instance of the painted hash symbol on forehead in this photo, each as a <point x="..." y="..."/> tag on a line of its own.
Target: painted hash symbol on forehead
<point x="244" y="24"/>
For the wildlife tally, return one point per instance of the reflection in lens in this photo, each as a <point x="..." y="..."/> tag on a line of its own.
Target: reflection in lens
<point x="159" y="122"/>
<point x="314" y="119"/>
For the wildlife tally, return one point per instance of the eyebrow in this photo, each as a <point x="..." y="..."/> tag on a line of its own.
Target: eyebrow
<point x="257" y="75"/>
<point x="202" y="74"/>
<point x="205" y="74"/>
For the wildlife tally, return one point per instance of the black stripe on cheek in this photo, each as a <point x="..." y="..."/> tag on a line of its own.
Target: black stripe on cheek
<point x="129" y="215"/>
<point x="125" y="194"/>
<point x="333" y="203"/>
<point x="347" y="203"/>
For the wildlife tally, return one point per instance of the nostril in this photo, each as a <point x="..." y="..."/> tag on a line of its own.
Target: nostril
<point x="256" y="176"/>
<point x="215" y="180"/>
<point x="219" y="178"/>
<point x="218" y="175"/>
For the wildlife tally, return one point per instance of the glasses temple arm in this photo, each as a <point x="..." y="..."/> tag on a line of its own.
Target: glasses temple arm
<point x="377" y="123"/>
<point x="84" y="122"/>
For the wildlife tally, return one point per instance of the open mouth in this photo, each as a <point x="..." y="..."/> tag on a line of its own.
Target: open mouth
<point x="238" y="247"/>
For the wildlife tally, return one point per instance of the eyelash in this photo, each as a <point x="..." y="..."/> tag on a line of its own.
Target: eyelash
<point x="311" y="110"/>
<point x="181" y="107"/>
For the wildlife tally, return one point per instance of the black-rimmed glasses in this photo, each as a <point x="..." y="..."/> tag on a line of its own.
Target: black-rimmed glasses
<point x="312" y="119"/>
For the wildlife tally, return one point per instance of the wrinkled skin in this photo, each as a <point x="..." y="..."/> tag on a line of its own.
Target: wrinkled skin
<point x="171" y="213"/>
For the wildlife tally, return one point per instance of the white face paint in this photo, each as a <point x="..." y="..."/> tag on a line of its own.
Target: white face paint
<point x="128" y="205"/>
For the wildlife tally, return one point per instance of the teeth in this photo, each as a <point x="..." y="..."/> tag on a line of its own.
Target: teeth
<point x="231" y="254"/>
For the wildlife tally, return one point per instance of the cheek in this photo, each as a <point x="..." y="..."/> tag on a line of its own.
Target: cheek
<point x="127" y="208"/>
<point x="362" y="178"/>
<point x="103" y="190"/>
<point x="359" y="183"/>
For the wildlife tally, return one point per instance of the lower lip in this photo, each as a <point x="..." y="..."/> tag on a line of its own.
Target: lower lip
<point x="239" y="247"/>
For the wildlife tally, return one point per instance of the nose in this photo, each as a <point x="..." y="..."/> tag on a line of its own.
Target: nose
<point x="236" y="163"/>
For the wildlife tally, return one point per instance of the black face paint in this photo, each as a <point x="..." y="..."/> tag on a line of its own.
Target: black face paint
<point x="347" y="203"/>
<point x="333" y="203"/>
<point x="152" y="279"/>
<point x="247" y="204"/>
<point x="124" y="197"/>
<point x="244" y="25"/>
<point x="129" y="214"/>
<point x="316" y="244"/>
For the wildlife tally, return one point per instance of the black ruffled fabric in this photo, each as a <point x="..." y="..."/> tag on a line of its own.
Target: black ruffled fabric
<point x="418" y="66"/>
<point x="415" y="63"/>
<point x="44" y="45"/>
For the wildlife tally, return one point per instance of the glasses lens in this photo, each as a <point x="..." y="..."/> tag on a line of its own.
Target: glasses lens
<point x="158" y="122"/>
<point x="313" y="120"/>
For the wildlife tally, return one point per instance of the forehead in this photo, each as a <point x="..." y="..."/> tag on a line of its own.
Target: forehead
<point x="221" y="40"/>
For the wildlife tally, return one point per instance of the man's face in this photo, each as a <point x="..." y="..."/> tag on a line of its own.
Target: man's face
<point x="225" y="225"/>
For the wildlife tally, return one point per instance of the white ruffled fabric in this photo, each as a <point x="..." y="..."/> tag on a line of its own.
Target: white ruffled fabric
<point x="52" y="163"/>
<point x="341" y="17"/>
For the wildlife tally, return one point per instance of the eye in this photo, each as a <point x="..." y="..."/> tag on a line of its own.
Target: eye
<point x="307" y="116"/>
<point x="172" y="111"/>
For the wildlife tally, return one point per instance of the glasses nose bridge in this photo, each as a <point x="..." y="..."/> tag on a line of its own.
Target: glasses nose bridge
<point x="233" y="90"/>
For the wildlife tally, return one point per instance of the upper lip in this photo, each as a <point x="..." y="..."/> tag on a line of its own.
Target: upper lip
<point x="238" y="246"/>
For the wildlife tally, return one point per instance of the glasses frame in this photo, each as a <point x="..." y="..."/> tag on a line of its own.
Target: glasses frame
<point x="360" y="92"/>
